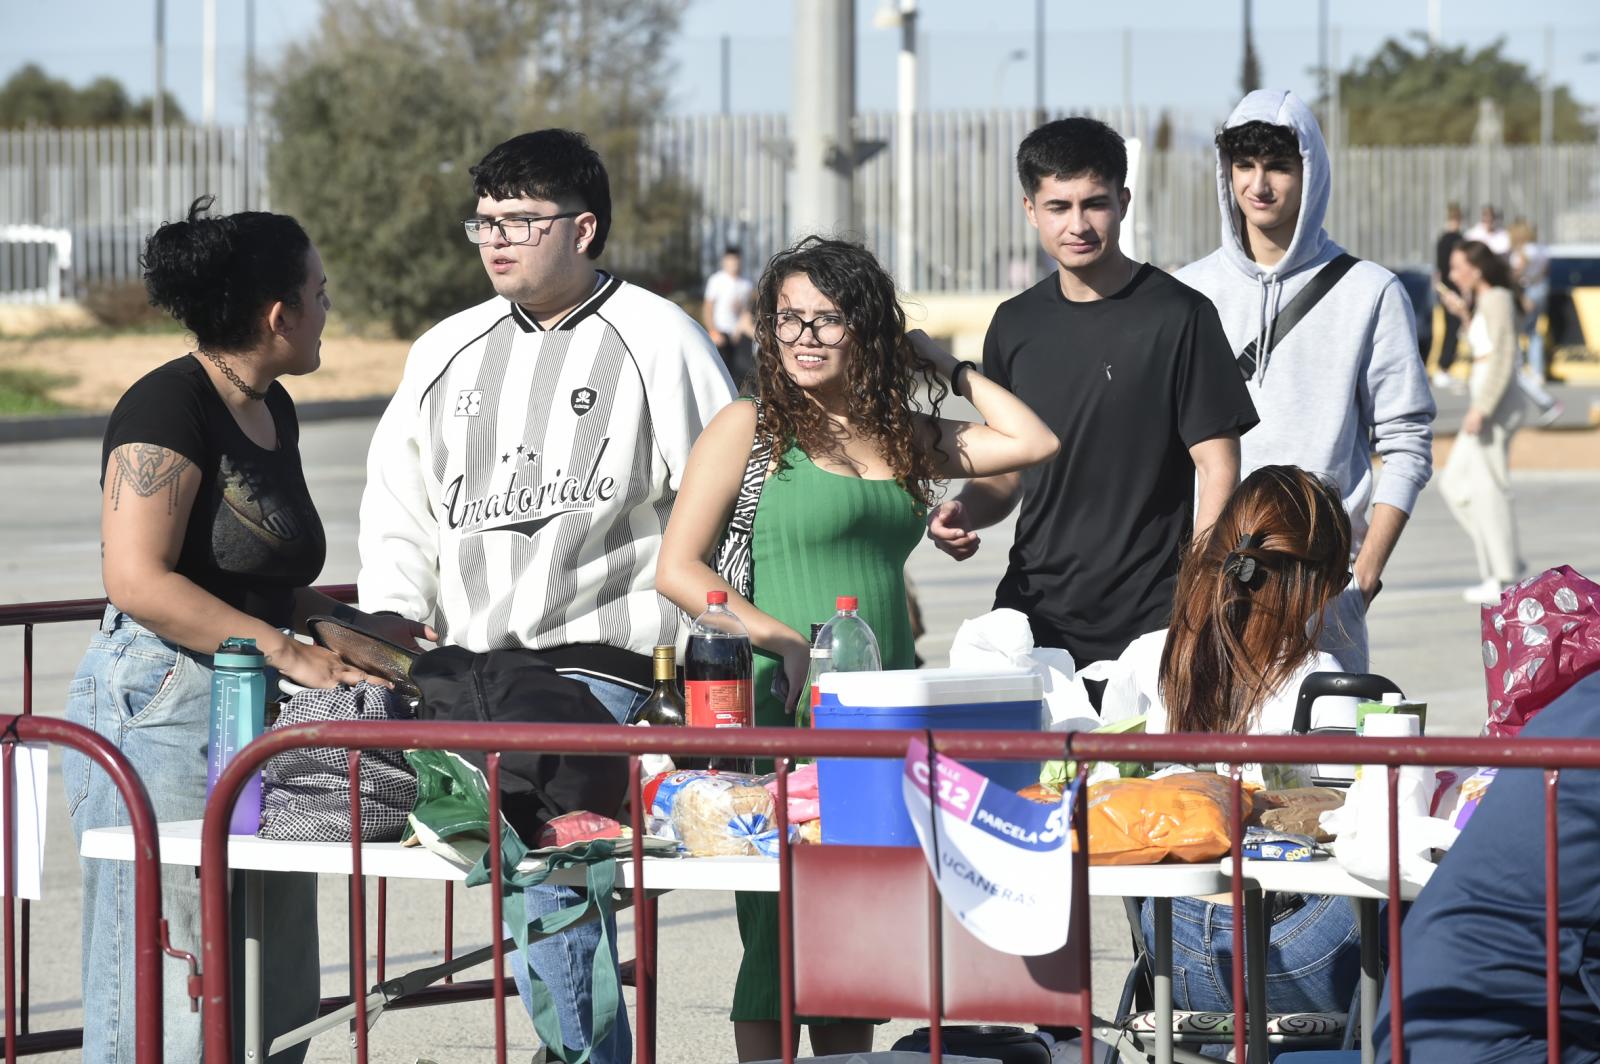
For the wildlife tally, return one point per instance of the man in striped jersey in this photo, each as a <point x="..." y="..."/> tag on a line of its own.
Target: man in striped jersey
<point x="519" y="482"/>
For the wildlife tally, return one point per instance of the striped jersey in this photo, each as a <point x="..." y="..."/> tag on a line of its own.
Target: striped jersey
<point x="519" y="482"/>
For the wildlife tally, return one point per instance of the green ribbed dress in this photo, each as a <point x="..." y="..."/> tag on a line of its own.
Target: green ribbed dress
<point x="819" y="535"/>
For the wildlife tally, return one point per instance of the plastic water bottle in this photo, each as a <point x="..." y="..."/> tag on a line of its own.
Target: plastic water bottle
<point x="848" y="640"/>
<point x="718" y="676"/>
<point x="821" y="662"/>
<point x="238" y="715"/>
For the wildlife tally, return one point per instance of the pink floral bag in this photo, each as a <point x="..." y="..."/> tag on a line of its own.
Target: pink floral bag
<point x="1542" y="638"/>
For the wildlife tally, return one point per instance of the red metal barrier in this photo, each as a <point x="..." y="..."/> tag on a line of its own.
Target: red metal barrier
<point x="146" y="884"/>
<point x="1549" y="756"/>
<point x="18" y="938"/>
<point x="780" y="743"/>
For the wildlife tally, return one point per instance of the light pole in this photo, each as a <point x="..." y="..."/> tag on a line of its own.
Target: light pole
<point x="903" y="15"/>
<point x="1016" y="55"/>
<point x="158" y="112"/>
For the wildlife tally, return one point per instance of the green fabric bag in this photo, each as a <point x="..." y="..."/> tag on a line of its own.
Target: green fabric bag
<point x="453" y="804"/>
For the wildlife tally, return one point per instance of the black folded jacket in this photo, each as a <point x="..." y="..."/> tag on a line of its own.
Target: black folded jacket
<point x="520" y="687"/>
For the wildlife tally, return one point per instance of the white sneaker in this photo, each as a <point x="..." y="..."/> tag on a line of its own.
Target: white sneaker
<point x="1441" y="379"/>
<point x="1486" y="594"/>
<point x="1550" y="414"/>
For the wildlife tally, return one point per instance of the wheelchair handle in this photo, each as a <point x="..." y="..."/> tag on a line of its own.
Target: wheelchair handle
<point x="1368" y="685"/>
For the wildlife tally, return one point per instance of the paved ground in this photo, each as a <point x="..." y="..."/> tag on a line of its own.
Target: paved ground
<point x="1424" y="636"/>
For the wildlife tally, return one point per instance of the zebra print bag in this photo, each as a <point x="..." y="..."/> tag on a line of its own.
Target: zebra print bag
<point x="732" y="560"/>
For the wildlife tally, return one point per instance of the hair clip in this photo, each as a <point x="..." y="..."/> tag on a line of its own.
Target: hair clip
<point x="1242" y="567"/>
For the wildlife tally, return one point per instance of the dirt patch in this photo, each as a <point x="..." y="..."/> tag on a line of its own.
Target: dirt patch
<point x="96" y="371"/>
<point x="1533" y="449"/>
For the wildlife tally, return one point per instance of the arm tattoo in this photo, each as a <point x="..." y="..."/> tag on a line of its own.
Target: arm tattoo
<point x="147" y="469"/>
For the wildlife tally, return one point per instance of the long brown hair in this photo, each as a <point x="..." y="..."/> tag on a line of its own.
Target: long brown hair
<point x="1248" y="607"/>
<point x="1495" y="270"/>
<point x="883" y="368"/>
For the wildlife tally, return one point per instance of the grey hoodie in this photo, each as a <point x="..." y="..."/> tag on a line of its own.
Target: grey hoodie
<point x="1349" y="373"/>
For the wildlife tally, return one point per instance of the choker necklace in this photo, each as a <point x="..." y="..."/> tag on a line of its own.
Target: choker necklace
<point x="227" y="371"/>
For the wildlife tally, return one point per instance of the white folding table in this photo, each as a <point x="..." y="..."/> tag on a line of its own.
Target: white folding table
<point x="1327" y="876"/>
<point x="180" y="845"/>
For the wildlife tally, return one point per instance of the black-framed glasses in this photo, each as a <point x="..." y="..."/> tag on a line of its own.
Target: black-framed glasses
<point x="512" y="230"/>
<point x="827" y="329"/>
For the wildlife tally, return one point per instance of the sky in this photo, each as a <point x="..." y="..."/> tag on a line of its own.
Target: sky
<point x="1181" y="55"/>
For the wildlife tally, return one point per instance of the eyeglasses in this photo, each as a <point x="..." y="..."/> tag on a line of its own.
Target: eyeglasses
<point x="827" y="329"/>
<point x="512" y="230"/>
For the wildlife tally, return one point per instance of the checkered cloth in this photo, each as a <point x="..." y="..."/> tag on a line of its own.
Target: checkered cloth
<point x="306" y="792"/>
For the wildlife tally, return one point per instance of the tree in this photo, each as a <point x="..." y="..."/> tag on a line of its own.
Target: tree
<point x="1430" y="96"/>
<point x="30" y="97"/>
<point x="381" y="112"/>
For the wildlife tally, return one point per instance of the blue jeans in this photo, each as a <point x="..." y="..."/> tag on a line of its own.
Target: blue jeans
<point x="153" y="701"/>
<point x="1313" y="955"/>
<point x="563" y="962"/>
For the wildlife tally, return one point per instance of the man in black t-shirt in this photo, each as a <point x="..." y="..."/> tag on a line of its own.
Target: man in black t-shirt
<point x="1132" y="371"/>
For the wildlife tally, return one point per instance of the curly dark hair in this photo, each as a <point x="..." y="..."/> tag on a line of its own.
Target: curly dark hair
<point x="883" y="368"/>
<point x="1258" y="140"/>
<point x="217" y="274"/>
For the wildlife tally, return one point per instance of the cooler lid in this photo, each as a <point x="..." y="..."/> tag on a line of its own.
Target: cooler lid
<point x="933" y="687"/>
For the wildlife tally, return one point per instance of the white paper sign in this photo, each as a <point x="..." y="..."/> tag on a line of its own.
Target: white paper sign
<point x="29" y="775"/>
<point x="1003" y="864"/>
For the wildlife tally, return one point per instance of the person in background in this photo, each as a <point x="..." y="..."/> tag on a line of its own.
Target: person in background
<point x="1490" y="233"/>
<point x="207" y="532"/>
<point x="1530" y="269"/>
<point x="1451" y="333"/>
<point x="519" y="482"/>
<point x="1133" y="372"/>
<point x="1250" y="600"/>
<point x="1348" y="380"/>
<point x="854" y="470"/>
<point x="726" y="316"/>
<point x="1476" y="482"/>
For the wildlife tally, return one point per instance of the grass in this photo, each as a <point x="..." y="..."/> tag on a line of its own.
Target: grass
<point x="27" y="391"/>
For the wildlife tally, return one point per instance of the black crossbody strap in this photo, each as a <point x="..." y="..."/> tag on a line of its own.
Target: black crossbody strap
<point x="1298" y="307"/>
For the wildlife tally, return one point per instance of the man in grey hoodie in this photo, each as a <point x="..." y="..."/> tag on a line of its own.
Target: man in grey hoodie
<point x="1348" y="379"/>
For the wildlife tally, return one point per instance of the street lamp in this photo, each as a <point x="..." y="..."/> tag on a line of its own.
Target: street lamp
<point x="902" y="15"/>
<point x="1016" y="55"/>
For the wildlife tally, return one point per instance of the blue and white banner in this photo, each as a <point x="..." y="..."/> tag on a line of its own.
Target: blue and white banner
<point x="1003" y="864"/>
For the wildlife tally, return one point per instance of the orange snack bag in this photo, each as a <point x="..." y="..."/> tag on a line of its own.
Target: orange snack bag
<point x="1143" y="821"/>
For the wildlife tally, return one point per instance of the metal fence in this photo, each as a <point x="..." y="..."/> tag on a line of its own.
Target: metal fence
<point x="106" y="188"/>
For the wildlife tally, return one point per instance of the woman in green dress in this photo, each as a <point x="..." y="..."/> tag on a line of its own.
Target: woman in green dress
<point x="854" y="471"/>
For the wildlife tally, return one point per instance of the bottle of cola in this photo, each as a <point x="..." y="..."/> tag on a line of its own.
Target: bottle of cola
<point x="717" y="676"/>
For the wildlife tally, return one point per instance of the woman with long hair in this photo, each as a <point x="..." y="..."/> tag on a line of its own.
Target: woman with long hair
<point x="855" y="464"/>
<point x="1476" y="482"/>
<point x="1246" y="616"/>
<point x="207" y="531"/>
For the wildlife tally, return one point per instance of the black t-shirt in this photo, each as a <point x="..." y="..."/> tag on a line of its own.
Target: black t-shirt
<point x="1449" y="240"/>
<point x="1128" y="383"/>
<point x="253" y="535"/>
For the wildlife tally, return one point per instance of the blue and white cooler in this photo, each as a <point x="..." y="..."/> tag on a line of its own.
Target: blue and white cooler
<point x="862" y="802"/>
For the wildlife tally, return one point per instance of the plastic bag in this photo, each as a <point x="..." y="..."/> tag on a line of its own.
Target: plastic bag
<point x="714" y="814"/>
<point x="1296" y="811"/>
<point x="1143" y="821"/>
<point x="1004" y="639"/>
<point x="1543" y="637"/>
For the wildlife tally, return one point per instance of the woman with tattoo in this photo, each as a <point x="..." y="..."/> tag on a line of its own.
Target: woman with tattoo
<point x="208" y="531"/>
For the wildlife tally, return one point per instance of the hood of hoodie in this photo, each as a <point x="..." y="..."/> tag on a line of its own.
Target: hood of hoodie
<point x="1348" y="378"/>
<point x="1310" y="244"/>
